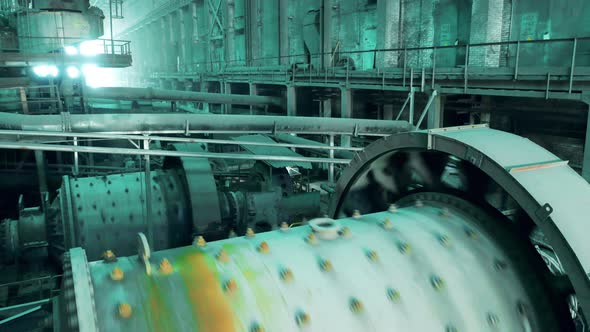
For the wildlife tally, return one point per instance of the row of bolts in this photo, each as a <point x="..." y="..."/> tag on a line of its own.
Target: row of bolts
<point x="356" y="306"/>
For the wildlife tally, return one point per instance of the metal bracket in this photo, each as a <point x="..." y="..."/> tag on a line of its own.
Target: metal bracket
<point x="544" y="212"/>
<point x="355" y="132"/>
<point x="274" y="128"/>
<point x="474" y="156"/>
<point x="186" y="128"/>
<point x="431" y="140"/>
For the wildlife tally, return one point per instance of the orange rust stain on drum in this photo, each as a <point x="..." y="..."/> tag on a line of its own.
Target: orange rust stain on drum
<point x="211" y="309"/>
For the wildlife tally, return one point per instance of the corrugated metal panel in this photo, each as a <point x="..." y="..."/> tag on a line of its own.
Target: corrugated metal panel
<point x="271" y="150"/>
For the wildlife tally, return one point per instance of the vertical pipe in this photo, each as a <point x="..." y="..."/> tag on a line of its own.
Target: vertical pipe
<point x="227" y="90"/>
<point x="23" y="100"/>
<point x="148" y="194"/>
<point x="573" y="65"/>
<point x="76" y="165"/>
<point x="345" y="111"/>
<point x="253" y="92"/>
<point x="204" y="88"/>
<point x="423" y="80"/>
<point x="291" y="100"/>
<point x="41" y="173"/>
<point x="331" y="165"/>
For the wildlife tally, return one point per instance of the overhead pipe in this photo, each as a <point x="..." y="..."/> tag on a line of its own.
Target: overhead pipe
<point x="319" y="148"/>
<point x="166" y="123"/>
<point x="177" y="95"/>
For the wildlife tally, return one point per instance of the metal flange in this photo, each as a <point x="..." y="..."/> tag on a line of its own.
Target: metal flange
<point x="552" y="194"/>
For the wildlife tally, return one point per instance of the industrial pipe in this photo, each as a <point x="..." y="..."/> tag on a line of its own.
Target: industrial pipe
<point x="201" y="123"/>
<point x="175" y="95"/>
<point x="314" y="146"/>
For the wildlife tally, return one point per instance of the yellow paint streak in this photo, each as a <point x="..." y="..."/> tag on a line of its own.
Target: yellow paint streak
<point x="160" y="317"/>
<point x="211" y="310"/>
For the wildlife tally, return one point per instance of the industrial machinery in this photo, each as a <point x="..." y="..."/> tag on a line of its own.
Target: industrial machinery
<point x="455" y="252"/>
<point x="101" y="213"/>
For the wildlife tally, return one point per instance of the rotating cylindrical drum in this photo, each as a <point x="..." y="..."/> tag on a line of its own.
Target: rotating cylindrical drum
<point x="432" y="263"/>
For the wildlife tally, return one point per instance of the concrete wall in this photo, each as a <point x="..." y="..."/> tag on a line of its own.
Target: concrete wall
<point x="186" y="38"/>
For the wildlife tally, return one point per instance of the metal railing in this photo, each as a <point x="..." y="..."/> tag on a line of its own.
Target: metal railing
<point x="36" y="289"/>
<point x="562" y="52"/>
<point x="31" y="44"/>
<point x="35" y="99"/>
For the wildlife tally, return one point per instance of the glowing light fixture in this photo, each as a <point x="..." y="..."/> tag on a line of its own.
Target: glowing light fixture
<point x="46" y="71"/>
<point x="71" y="50"/>
<point x="73" y="72"/>
<point x="90" y="48"/>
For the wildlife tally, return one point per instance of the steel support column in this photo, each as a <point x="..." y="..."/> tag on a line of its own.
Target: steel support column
<point x="586" y="159"/>
<point x="204" y="87"/>
<point x="435" y="113"/>
<point x="157" y="62"/>
<point x="387" y="36"/>
<point x="227" y="108"/>
<point x="291" y="100"/>
<point x="253" y="92"/>
<point x="188" y="37"/>
<point x="326" y="33"/>
<point x="194" y="18"/>
<point x="164" y="56"/>
<point x="173" y="30"/>
<point x="182" y="44"/>
<point x="388" y="112"/>
<point x="230" y="35"/>
<point x="345" y="111"/>
<point x="327" y="108"/>
<point x="284" y="32"/>
<point x="253" y="36"/>
<point x="41" y="171"/>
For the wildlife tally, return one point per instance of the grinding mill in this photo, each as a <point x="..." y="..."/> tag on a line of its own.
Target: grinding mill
<point x="441" y="258"/>
<point x="103" y="213"/>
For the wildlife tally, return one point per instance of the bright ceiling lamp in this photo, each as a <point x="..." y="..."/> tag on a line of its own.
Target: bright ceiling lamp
<point x="90" y="47"/>
<point x="73" y="72"/>
<point x="46" y="71"/>
<point x="71" y="50"/>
